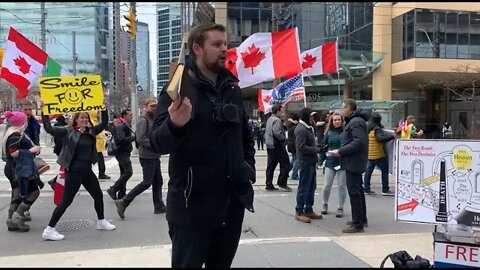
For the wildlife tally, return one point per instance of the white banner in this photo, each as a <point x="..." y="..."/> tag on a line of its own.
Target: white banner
<point x="438" y="181"/>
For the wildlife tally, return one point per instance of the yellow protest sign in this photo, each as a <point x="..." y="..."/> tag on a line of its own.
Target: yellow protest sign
<point x="69" y="94"/>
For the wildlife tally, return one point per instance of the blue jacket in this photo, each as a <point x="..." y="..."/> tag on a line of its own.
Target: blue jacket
<point x="24" y="169"/>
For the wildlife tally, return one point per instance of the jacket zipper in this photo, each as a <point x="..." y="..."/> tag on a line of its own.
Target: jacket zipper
<point x="188" y="189"/>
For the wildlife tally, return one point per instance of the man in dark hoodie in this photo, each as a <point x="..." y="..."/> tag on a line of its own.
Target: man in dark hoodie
<point x="150" y="162"/>
<point x="307" y="151"/>
<point x="377" y="137"/>
<point x="354" y="155"/>
<point x="123" y="137"/>
<point x="212" y="155"/>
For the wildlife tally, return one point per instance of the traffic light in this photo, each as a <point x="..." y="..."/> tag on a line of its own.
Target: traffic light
<point x="131" y="24"/>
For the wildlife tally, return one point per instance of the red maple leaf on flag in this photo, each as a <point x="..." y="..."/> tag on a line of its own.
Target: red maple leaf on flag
<point x="22" y="65"/>
<point x="267" y="99"/>
<point x="308" y="61"/>
<point x="252" y="57"/>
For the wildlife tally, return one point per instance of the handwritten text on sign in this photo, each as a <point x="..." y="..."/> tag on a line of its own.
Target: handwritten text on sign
<point x="69" y="94"/>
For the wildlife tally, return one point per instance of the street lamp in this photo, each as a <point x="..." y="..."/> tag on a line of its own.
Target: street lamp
<point x="429" y="40"/>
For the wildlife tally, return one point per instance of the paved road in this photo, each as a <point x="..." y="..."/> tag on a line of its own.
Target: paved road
<point x="271" y="237"/>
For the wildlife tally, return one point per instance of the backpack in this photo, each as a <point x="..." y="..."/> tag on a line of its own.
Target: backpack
<point x="401" y="259"/>
<point x="112" y="146"/>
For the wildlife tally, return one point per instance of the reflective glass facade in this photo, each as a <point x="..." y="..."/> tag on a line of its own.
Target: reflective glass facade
<point x="90" y="23"/>
<point x="429" y="33"/>
<point x="169" y="40"/>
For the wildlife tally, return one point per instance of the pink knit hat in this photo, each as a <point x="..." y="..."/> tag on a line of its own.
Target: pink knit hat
<point x="16" y="119"/>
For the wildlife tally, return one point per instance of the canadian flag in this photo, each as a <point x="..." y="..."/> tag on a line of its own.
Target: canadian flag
<point x="59" y="186"/>
<point x="320" y="60"/>
<point x="22" y="63"/>
<point x="264" y="97"/>
<point x="264" y="57"/>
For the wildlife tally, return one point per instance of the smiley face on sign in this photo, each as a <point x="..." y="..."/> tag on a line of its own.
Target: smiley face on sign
<point x="73" y="96"/>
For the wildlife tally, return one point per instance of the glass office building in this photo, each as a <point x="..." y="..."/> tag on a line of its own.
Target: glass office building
<point x="169" y="40"/>
<point x="89" y="22"/>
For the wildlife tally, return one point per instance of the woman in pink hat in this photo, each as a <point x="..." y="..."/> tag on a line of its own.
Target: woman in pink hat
<point x="15" y="140"/>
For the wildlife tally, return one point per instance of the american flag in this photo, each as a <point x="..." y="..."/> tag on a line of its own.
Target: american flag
<point x="290" y="90"/>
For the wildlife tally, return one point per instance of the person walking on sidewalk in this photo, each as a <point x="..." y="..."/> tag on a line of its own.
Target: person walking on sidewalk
<point x="100" y="146"/>
<point x="212" y="155"/>
<point x="22" y="196"/>
<point x="60" y="121"/>
<point x="353" y="158"/>
<point x="77" y="157"/>
<point x="377" y="137"/>
<point x="292" y="124"/>
<point x="333" y="140"/>
<point x="275" y="140"/>
<point x="307" y="152"/>
<point x="150" y="162"/>
<point x="33" y="127"/>
<point x="124" y="137"/>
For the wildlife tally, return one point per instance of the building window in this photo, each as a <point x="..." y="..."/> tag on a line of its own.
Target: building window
<point x="164" y="40"/>
<point x="176" y="30"/>
<point x="164" y="47"/>
<point x="436" y="34"/>
<point x="164" y="25"/>
<point x="164" y="32"/>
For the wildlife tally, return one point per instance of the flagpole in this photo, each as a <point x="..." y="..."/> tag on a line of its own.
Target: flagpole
<point x="304" y="93"/>
<point x="338" y="70"/>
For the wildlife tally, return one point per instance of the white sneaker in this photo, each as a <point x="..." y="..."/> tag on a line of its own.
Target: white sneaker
<point x="103" y="224"/>
<point x="51" y="234"/>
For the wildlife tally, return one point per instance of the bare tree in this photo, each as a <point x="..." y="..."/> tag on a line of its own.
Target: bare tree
<point x="464" y="83"/>
<point x="119" y="100"/>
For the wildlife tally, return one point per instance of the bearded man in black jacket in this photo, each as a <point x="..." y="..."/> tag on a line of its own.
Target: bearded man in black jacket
<point x="211" y="165"/>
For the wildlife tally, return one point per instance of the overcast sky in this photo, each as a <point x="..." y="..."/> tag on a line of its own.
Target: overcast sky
<point x="146" y="13"/>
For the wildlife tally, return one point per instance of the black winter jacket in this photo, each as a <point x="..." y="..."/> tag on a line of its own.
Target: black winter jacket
<point x="123" y="138"/>
<point x="307" y="150"/>
<point x="380" y="135"/>
<point x="210" y="164"/>
<point x="70" y="137"/>
<point x="354" y="149"/>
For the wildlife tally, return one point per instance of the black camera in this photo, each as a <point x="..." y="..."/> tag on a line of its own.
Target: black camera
<point x="226" y="114"/>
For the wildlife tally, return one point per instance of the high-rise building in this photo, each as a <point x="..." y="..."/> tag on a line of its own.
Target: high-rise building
<point x="89" y="22"/>
<point x="143" y="57"/>
<point x="423" y="42"/>
<point x="169" y="40"/>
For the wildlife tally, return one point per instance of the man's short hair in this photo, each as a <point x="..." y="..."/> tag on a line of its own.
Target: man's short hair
<point x="351" y="103"/>
<point x="198" y="35"/>
<point x="124" y="112"/>
<point x="276" y="108"/>
<point x="24" y="102"/>
<point x="149" y="100"/>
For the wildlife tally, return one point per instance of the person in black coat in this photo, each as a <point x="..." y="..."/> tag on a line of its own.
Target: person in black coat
<point x="57" y="148"/>
<point x="353" y="159"/>
<point x="211" y="147"/>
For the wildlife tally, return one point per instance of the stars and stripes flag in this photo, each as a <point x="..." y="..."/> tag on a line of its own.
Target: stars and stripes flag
<point x="287" y="91"/>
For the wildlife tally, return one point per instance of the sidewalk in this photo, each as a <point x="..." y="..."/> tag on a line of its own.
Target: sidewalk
<point x="343" y="251"/>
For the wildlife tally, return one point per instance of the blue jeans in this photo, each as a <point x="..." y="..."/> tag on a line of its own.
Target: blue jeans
<point x="294" y="162"/>
<point x="382" y="163"/>
<point x="306" y="188"/>
<point x="342" y="185"/>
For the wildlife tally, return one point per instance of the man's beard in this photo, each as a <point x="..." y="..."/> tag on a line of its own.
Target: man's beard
<point x="213" y="67"/>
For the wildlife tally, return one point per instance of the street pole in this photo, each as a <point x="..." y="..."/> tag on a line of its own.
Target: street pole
<point x="43" y="32"/>
<point x="133" y="72"/>
<point x="74" y="54"/>
<point x="118" y="83"/>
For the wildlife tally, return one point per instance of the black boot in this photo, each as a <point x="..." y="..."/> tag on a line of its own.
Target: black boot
<point x="121" y="207"/>
<point x="160" y="208"/>
<point x="112" y="193"/>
